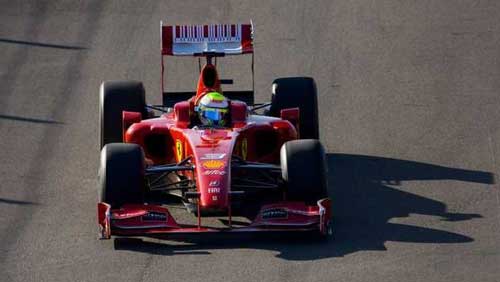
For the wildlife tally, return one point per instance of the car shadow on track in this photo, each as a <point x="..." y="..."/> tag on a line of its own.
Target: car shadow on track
<point x="365" y="200"/>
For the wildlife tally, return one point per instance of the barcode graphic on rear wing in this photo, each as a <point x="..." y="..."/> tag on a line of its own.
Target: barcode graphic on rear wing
<point x="206" y="33"/>
<point x="226" y="39"/>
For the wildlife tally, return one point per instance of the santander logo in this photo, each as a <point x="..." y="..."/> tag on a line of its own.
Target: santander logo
<point x="214" y="172"/>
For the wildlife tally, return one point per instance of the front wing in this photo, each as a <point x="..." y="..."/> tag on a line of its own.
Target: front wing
<point x="153" y="220"/>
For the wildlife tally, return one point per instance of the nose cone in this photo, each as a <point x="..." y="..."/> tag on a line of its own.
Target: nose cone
<point x="213" y="167"/>
<point x="213" y="180"/>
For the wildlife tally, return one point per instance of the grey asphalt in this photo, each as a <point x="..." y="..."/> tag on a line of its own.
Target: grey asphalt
<point x="409" y="99"/>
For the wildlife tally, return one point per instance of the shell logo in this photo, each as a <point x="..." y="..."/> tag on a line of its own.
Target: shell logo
<point x="213" y="164"/>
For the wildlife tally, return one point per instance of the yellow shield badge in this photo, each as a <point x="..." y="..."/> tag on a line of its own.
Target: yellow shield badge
<point x="178" y="150"/>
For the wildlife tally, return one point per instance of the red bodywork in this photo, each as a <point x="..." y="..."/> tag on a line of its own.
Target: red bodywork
<point x="171" y="138"/>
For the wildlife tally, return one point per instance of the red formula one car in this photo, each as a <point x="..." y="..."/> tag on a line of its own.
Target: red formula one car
<point x="262" y="162"/>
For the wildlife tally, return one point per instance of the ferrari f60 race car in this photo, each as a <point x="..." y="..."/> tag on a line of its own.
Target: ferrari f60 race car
<point x="266" y="164"/>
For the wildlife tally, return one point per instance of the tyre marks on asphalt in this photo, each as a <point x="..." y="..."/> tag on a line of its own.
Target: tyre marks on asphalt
<point x="41" y="161"/>
<point x="21" y="56"/>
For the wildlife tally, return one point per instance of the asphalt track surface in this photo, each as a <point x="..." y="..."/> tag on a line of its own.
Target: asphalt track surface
<point x="409" y="99"/>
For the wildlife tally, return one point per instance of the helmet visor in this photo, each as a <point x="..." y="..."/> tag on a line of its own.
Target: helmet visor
<point x="215" y="115"/>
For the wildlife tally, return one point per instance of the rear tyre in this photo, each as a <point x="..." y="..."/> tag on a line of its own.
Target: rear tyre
<point x="114" y="98"/>
<point x="121" y="174"/>
<point x="300" y="92"/>
<point x="304" y="170"/>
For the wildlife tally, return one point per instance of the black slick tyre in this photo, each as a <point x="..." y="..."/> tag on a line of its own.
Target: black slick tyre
<point x="114" y="98"/>
<point x="121" y="174"/>
<point x="297" y="92"/>
<point x="304" y="170"/>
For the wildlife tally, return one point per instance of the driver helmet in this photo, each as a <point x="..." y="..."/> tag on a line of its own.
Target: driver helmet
<point x="213" y="109"/>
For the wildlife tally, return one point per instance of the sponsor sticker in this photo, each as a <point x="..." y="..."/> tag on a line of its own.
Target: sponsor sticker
<point x="274" y="214"/>
<point x="244" y="147"/>
<point x="213" y="156"/>
<point x="154" y="216"/>
<point x="213" y="164"/>
<point x="215" y="190"/>
<point x="214" y="172"/>
<point x="178" y="150"/>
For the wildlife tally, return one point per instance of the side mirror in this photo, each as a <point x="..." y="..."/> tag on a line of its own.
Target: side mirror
<point x="293" y="116"/>
<point x="129" y="118"/>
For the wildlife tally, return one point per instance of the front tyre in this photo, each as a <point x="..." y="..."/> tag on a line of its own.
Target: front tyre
<point x="304" y="170"/>
<point x="297" y="92"/>
<point x="121" y="174"/>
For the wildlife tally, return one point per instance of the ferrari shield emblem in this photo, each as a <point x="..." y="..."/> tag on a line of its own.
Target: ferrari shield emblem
<point x="178" y="150"/>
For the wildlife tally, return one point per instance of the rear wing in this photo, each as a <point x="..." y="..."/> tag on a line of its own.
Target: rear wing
<point x="200" y="40"/>
<point x="214" y="40"/>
